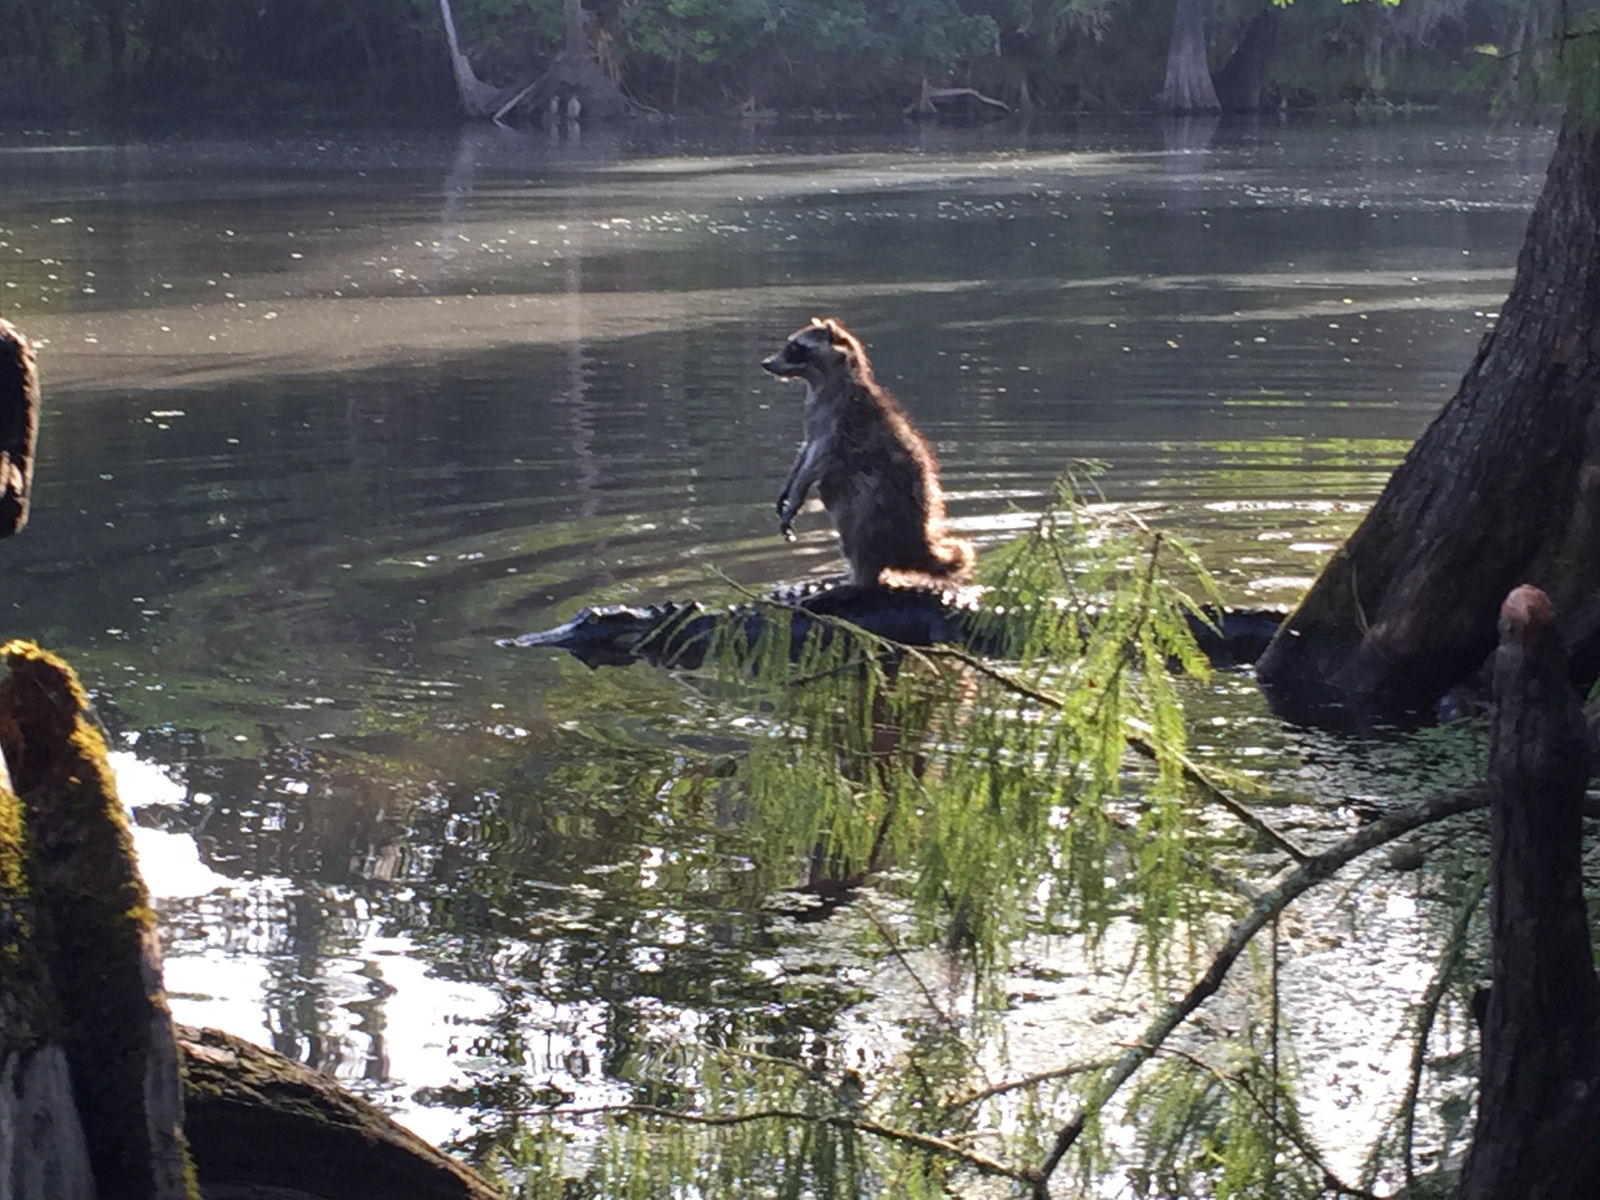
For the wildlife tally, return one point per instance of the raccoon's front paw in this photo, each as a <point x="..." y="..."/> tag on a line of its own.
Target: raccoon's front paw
<point x="783" y="528"/>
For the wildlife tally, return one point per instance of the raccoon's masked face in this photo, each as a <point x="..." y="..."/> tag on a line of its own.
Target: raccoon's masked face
<point x="809" y="349"/>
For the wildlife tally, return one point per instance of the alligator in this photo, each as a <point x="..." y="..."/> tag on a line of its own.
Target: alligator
<point x="679" y="634"/>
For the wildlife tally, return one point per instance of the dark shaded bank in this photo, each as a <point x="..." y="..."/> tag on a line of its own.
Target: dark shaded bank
<point x="830" y="56"/>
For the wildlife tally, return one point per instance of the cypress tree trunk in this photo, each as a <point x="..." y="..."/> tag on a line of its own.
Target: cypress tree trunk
<point x="1188" y="87"/>
<point x="579" y="72"/>
<point x="1502" y="488"/>
<point x="1539" y="1080"/>
<point x="478" y="99"/>
<point x="1242" y="78"/>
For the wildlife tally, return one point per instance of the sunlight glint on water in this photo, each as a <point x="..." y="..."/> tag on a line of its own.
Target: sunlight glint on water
<point x="325" y="416"/>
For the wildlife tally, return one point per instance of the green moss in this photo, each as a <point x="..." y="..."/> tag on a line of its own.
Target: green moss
<point x="19" y="999"/>
<point x="19" y="653"/>
<point x="13" y="849"/>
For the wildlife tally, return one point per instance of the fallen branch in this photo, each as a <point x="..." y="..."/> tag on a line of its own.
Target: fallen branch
<point x="478" y="99"/>
<point x="924" y="103"/>
<point x="520" y="94"/>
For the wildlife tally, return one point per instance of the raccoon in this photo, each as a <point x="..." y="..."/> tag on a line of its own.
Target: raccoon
<point x="876" y="474"/>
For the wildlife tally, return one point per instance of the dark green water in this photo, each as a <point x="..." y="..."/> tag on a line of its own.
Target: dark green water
<point x="327" y="415"/>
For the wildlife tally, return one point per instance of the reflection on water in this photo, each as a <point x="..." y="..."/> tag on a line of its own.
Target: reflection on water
<point x="325" y="415"/>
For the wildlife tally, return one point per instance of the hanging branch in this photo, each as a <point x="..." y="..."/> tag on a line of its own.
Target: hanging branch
<point x="1272" y="902"/>
<point x="899" y="955"/>
<point x="1455" y="948"/>
<point x="1295" y="1138"/>
<point x="967" y="1099"/>
<point x="1195" y="774"/>
<point x="1212" y="791"/>
<point x="978" y="1162"/>
<point x="1140" y="745"/>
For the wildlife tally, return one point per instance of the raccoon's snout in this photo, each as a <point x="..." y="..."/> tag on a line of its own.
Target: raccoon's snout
<point x="783" y="366"/>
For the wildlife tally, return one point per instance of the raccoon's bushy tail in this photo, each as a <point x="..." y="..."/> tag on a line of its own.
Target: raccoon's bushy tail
<point x="953" y="558"/>
<point x="947" y="561"/>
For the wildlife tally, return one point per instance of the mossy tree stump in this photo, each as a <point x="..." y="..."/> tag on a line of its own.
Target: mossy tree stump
<point x="92" y="1097"/>
<point x="86" y="1045"/>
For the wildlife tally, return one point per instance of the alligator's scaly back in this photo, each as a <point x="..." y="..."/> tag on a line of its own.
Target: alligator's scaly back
<point x="681" y="635"/>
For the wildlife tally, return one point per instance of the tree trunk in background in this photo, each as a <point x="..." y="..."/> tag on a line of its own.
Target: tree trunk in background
<point x="1502" y="488"/>
<point x="1242" y="78"/>
<point x="578" y="71"/>
<point x="1532" y="53"/>
<point x="1188" y="88"/>
<point x="478" y="99"/>
<point x="1539" y="1079"/>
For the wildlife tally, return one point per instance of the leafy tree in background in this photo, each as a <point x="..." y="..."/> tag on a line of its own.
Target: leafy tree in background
<point x="833" y="50"/>
<point x="703" y="38"/>
<point x="164" y="53"/>
<point x="836" y="55"/>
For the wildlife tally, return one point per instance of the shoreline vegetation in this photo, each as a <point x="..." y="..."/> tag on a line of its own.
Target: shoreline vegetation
<point x="523" y="61"/>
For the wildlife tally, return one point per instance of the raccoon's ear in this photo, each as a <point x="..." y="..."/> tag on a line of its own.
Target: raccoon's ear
<point x="820" y="322"/>
<point x="835" y="330"/>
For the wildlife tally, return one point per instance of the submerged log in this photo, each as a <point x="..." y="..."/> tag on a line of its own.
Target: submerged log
<point x="679" y="634"/>
<point x="19" y="427"/>
<point x="263" y="1126"/>
<point x="1539" y="1081"/>
<point x="92" y="1103"/>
